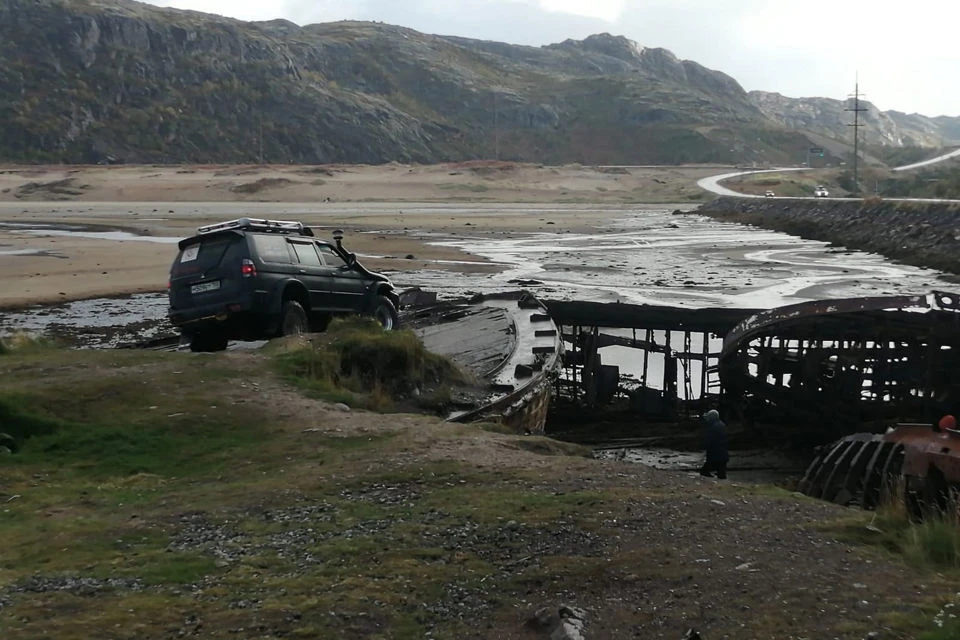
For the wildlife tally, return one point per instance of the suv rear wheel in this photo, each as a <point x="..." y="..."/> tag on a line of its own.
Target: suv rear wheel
<point x="294" y="321"/>
<point x="385" y="313"/>
<point x="204" y="341"/>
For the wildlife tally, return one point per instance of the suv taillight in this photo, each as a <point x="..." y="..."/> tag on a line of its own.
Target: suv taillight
<point x="247" y="268"/>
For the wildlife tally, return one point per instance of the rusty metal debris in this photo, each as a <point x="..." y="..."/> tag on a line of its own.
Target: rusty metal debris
<point x="914" y="462"/>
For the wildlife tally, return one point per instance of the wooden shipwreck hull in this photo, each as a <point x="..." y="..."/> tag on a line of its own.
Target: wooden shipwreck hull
<point x="507" y="340"/>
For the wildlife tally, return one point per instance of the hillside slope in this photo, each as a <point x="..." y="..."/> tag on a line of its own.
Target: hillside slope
<point x="119" y="81"/>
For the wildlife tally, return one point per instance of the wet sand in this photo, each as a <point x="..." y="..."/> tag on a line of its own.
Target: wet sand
<point x="395" y="237"/>
<point x="171" y="201"/>
<point x="605" y="249"/>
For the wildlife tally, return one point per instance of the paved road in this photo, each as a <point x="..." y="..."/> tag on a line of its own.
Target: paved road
<point x="712" y="183"/>
<point x="924" y="163"/>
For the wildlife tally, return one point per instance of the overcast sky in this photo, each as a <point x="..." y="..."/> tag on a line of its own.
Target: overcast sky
<point x="905" y="52"/>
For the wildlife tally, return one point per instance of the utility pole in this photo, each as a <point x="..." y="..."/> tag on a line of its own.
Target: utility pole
<point x="496" y="127"/>
<point x="857" y="110"/>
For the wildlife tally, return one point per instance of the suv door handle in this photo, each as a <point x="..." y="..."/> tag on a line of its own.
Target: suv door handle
<point x="302" y="270"/>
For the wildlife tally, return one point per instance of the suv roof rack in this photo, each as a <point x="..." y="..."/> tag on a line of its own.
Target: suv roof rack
<point x="257" y="224"/>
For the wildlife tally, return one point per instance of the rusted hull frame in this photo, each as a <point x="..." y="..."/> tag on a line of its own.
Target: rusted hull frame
<point x="828" y="367"/>
<point x="761" y="321"/>
<point x="860" y="469"/>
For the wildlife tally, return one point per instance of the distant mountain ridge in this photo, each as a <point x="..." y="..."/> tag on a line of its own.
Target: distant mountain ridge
<point x="825" y="116"/>
<point x="119" y="81"/>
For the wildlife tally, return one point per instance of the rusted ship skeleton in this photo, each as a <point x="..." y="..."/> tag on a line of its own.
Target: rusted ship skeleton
<point x="836" y="367"/>
<point x="806" y="373"/>
<point x="889" y="365"/>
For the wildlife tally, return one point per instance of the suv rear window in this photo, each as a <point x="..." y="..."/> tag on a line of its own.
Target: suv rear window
<point x="272" y="248"/>
<point x="204" y="255"/>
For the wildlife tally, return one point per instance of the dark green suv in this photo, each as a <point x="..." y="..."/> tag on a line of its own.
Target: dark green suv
<point x="251" y="279"/>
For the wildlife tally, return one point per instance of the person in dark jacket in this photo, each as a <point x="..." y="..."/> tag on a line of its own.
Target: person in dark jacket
<point x="715" y="442"/>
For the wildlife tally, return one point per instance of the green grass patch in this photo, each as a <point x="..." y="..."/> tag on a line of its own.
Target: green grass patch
<point x="174" y="569"/>
<point x="356" y="361"/>
<point x="103" y="415"/>
<point x="947" y="628"/>
<point x="932" y="544"/>
<point x="166" y="449"/>
<point x="19" y="424"/>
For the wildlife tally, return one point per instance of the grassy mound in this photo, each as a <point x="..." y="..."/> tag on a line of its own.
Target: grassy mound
<point x="357" y="362"/>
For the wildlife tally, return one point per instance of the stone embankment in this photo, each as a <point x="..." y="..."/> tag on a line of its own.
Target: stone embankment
<point x="920" y="234"/>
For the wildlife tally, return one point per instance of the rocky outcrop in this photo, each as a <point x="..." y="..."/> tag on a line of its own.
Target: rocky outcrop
<point x="829" y="117"/>
<point x="921" y="234"/>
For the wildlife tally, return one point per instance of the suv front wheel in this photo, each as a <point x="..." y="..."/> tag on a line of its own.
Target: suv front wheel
<point x="385" y="313"/>
<point x="293" y="319"/>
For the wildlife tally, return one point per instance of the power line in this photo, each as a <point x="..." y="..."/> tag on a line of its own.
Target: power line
<point x="857" y="109"/>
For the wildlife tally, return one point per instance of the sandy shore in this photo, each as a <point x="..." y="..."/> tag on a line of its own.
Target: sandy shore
<point x="388" y="212"/>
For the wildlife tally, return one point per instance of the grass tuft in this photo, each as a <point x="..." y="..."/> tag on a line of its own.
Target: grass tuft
<point x="24" y="343"/>
<point x="932" y="544"/>
<point x="358" y="362"/>
<point x="935" y="543"/>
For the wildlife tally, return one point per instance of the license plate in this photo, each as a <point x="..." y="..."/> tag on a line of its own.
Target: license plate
<point x="205" y="286"/>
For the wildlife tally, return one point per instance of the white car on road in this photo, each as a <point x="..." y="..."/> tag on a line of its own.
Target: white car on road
<point x="820" y="192"/>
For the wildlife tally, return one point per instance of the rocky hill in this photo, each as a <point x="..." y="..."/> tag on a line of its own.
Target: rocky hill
<point x="829" y="117"/>
<point x="118" y="81"/>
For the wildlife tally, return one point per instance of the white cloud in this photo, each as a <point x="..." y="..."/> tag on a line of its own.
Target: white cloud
<point x="609" y="10"/>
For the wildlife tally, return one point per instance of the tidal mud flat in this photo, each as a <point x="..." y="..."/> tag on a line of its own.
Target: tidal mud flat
<point x="638" y="255"/>
<point x="923" y="234"/>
